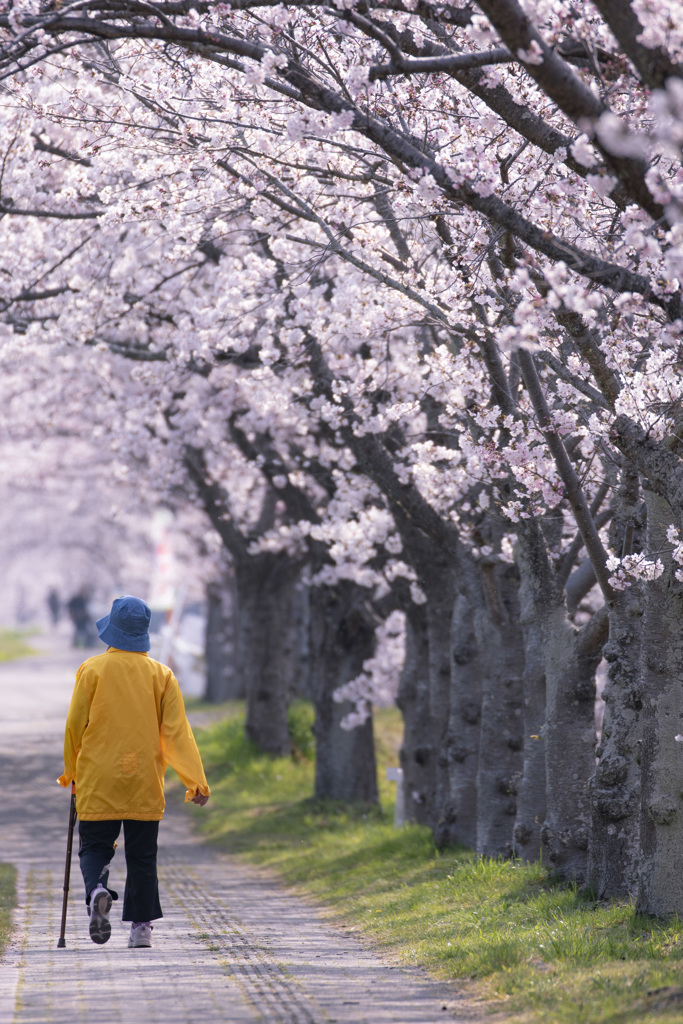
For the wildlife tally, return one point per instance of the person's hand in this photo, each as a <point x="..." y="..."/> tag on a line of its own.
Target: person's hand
<point x="198" y="798"/>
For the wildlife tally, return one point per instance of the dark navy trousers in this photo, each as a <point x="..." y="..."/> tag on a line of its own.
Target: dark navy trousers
<point x="96" y="849"/>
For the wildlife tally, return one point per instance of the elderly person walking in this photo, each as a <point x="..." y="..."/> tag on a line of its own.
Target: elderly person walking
<point x="126" y="723"/>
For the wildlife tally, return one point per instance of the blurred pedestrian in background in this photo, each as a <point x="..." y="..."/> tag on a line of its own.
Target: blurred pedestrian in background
<point x="79" y="612"/>
<point x="54" y="604"/>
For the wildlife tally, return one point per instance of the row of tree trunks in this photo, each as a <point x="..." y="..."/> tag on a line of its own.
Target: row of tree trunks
<point x="480" y="665"/>
<point x="498" y="693"/>
<point x="485" y="768"/>
<point x="283" y="647"/>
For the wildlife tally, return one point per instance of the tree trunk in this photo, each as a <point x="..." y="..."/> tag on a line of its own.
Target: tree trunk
<point x="565" y="659"/>
<point x="342" y="638"/>
<point x="413" y="700"/>
<point x="531" y="786"/>
<point x="661" y="825"/>
<point x="266" y="643"/>
<point x="615" y="787"/>
<point x="537" y="593"/>
<point x="500" y="641"/>
<point x="301" y="654"/>
<point x="264" y="586"/>
<point x="434" y="565"/>
<point x="223" y="680"/>
<point x="571" y="660"/>
<point x="438" y="583"/>
<point x="464" y="723"/>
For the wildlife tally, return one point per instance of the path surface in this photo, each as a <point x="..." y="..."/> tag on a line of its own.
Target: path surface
<point x="233" y="945"/>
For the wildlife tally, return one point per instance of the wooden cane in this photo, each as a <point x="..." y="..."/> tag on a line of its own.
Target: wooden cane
<point x="67" y="869"/>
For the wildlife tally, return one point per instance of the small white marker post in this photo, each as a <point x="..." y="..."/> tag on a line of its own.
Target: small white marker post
<point x="396" y="775"/>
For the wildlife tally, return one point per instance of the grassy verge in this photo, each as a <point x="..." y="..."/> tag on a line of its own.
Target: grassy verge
<point x="530" y="949"/>
<point x="13" y="644"/>
<point x="8" y="892"/>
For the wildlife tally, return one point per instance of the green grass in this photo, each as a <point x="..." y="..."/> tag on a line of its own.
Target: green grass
<point x="531" y="949"/>
<point x="13" y="644"/>
<point x="8" y="892"/>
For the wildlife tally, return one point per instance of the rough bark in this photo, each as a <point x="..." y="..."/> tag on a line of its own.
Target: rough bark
<point x="464" y="723"/>
<point x="500" y="641"/>
<point x="571" y="660"/>
<point x="435" y="565"/>
<point x="439" y="585"/>
<point x="413" y="700"/>
<point x="565" y="659"/>
<point x="661" y="881"/>
<point x="659" y="461"/>
<point x="223" y="680"/>
<point x="531" y="785"/>
<point x="342" y="638"/>
<point x="615" y="787"/>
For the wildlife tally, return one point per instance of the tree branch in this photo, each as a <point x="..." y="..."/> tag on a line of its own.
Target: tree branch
<point x="654" y="66"/>
<point x="582" y="386"/>
<point x="16" y="211"/>
<point x="572" y="485"/>
<point x="438" y="65"/>
<point x="564" y="87"/>
<point x="662" y="468"/>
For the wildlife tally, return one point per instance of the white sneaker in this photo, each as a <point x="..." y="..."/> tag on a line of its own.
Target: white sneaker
<point x="140" y="935"/>
<point x="100" y="905"/>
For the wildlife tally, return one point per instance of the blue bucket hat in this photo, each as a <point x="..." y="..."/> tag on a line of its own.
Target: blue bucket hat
<point x="127" y="625"/>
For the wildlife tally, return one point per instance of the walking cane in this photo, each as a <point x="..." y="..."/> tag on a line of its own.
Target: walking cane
<point x="67" y="869"/>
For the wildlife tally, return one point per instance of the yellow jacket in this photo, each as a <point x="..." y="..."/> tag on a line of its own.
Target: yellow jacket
<point x="126" y="722"/>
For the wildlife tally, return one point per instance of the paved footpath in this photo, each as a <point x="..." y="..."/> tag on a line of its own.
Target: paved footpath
<point x="233" y="946"/>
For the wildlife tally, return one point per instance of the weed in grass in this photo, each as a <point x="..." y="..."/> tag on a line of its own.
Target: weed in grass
<point x="300" y="718"/>
<point x="542" y="950"/>
<point x="13" y="644"/>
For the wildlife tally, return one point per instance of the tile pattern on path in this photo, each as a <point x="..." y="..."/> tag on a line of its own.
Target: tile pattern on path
<point x="233" y="946"/>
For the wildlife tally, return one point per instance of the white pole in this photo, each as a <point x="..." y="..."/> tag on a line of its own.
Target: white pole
<point x="396" y="775"/>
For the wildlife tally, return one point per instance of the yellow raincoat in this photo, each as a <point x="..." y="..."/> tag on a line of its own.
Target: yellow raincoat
<point x="126" y="722"/>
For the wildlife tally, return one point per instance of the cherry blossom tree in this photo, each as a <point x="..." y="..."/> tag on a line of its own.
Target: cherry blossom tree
<point x="427" y="257"/>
